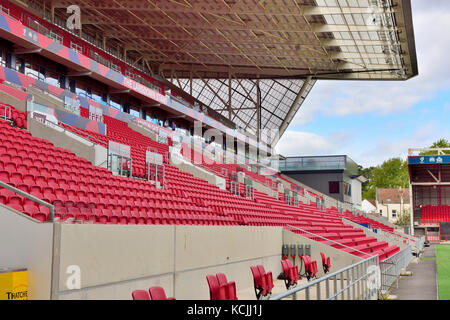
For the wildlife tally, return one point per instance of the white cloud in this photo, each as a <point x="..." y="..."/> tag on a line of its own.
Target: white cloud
<point x="386" y="148"/>
<point x="295" y="143"/>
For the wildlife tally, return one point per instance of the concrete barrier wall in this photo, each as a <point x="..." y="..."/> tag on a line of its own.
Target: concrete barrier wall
<point x="149" y="134"/>
<point x="115" y="260"/>
<point x="186" y="166"/>
<point x="339" y="259"/>
<point x="83" y="148"/>
<point x="45" y="98"/>
<point x="16" y="103"/>
<point x="26" y="243"/>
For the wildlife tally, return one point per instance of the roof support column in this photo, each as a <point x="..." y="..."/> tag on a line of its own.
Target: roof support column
<point x="287" y="119"/>
<point x="229" y="96"/>
<point x="190" y="83"/>
<point x="258" y="110"/>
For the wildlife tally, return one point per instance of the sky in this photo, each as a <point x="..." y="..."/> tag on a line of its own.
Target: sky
<point x="373" y="121"/>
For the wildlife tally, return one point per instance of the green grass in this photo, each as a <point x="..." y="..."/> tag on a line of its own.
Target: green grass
<point x="443" y="271"/>
<point x="428" y="259"/>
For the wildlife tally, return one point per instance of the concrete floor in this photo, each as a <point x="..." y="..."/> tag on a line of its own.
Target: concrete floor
<point x="422" y="285"/>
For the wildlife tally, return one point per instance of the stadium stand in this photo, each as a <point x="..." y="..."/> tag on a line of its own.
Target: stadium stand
<point x="180" y="203"/>
<point x="68" y="75"/>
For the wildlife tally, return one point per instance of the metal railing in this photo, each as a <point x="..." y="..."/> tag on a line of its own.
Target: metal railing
<point x="419" y="244"/>
<point x="3" y="114"/>
<point x="32" y="198"/>
<point x="316" y="237"/>
<point x="392" y="267"/>
<point x="355" y="282"/>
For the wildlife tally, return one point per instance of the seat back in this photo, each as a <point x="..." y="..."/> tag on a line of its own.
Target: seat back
<point x="266" y="277"/>
<point x="140" y="295"/>
<point x="285" y="268"/>
<point x="216" y="291"/>
<point x="230" y="287"/>
<point x="256" y="276"/>
<point x="323" y="258"/>
<point x="157" y="293"/>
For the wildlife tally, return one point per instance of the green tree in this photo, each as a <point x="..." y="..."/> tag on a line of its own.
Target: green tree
<point x="366" y="186"/>
<point x="404" y="219"/>
<point x="442" y="143"/>
<point x="392" y="173"/>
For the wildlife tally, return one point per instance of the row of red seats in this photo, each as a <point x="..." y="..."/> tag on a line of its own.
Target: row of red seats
<point x="435" y="214"/>
<point x="18" y="118"/>
<point x="153" y="293"/>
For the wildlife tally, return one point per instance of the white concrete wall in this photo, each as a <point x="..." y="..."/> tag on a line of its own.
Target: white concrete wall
<point x="82" y="147"/>
<point x="115" y="260"/>
<point x="177" y="160"/>
<point x="26" y="243"/>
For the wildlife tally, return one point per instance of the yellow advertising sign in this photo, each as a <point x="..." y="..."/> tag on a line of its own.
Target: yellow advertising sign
<point x="14" y="285"/>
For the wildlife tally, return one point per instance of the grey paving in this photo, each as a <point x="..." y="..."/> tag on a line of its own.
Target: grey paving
<point x="422" y="285"/>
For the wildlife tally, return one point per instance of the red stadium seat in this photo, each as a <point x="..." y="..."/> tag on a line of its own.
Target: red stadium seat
<point x="140" y="295"/>
<point x="158" y="293"/>
<point x="216" y="291"/>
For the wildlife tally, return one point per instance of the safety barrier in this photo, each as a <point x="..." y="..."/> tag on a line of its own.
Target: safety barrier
<point x="359" y="281"/>
<point x="392" y="267"/>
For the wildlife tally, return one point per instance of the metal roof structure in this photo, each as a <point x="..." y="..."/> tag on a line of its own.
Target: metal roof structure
<point x="254" y="61"/>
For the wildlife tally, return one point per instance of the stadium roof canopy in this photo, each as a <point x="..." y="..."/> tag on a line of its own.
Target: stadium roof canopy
<point x="222" y="51"/>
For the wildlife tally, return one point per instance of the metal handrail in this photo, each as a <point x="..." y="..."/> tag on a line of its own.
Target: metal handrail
<point x="32" y="198"/>
<point x="7" y="108"/>
<point x="326" y="277"/>
<point x="340" y="244"/>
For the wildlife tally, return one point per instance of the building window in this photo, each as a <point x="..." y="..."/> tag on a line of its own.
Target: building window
<point x="333" y="187"/>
